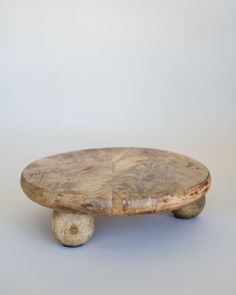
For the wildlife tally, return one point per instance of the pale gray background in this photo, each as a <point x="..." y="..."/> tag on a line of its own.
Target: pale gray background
<point x="81" y="74"/>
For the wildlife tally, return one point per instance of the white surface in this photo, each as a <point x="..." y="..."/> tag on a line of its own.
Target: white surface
<point x="80" y="74"/>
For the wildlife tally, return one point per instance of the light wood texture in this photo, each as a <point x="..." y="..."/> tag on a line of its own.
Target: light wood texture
<point x="72" y="229"/>
<point x="116" y="181"/>
<point x="191" y="210"/>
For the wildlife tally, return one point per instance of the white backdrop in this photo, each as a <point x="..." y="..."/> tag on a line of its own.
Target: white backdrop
<point x="80" y="74"/>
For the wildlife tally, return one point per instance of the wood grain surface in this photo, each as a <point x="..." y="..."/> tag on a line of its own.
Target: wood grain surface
<point x="115" y="181"/>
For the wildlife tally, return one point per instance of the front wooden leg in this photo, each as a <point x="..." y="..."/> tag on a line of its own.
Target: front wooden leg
<point x="190" y="210"/>
<point x="72" y="229"/>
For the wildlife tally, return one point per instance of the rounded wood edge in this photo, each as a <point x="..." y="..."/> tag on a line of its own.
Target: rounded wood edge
<point x="166" y="203"/>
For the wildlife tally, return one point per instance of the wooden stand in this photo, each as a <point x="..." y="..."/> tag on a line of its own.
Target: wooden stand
<point x="113" y="182"/>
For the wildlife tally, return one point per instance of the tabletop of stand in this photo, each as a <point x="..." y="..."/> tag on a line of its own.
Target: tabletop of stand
<point x="115" y="181"/>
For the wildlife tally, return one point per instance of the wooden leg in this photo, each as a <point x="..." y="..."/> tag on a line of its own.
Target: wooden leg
<point x="72" y="229"/>
<point x="190" y="210"/>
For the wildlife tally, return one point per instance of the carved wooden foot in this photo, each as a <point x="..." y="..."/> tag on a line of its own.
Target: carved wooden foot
<point x="190" y="210"/>
<point x="72" y="229"/>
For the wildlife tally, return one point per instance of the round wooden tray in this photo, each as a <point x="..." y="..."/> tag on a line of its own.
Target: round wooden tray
<point x="116" y="181"/>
